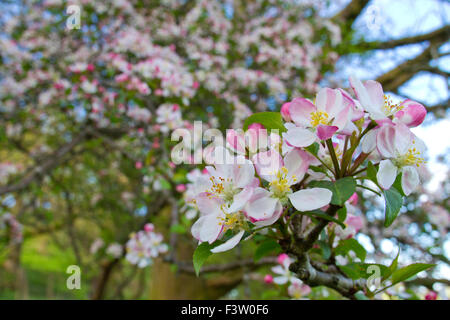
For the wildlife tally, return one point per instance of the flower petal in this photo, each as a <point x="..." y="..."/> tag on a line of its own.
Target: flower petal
<point x="230" y="244"/>
<point x="412" y="114"/>
<point x="267" y="164"/>
<point x="300" y="111"/>
<point x="410" y="179"/>
<point x="387" y="173"/>
<point x="326" y="132"/>
<point x="299" y="137"/>
<point x="369" y="141"/>
<point x="310" y="199"/>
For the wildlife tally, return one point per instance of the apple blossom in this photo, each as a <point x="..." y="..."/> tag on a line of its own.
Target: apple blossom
<point x="402" y="152"/>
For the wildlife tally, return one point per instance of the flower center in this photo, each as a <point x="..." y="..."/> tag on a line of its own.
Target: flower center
<point x="232" y="221"/>
<point x="319" y="117"/>
<point x="411" y="158"/>
<point x="280" y="186"/>
<point x="223" y="188"/>
<point x="391" y="108"/>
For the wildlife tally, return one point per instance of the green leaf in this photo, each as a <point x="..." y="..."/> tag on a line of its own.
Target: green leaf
<point x="265" y="248"/>
<point x="342" y="189"/>
<point x="314" y="148"/>
<point x="342" y="215"/>
<point x="201" y="253"/>
<point x="270" y="120"/>
<point x="372" y="172"/>
<point x="394" y="202"/>
<point x="392" y="267"/>
<point x="326" y="250"/>
<point x="345" y="246"/>
<point x="398" y="184"/>
<point x="409" y="271"/>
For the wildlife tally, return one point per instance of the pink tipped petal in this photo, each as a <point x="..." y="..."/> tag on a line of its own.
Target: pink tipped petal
<point x="261" y="207"/>
<point x="410" y="179"/>
<point x="369" y="141"/>
<point x="330" y="101"/>
<point x="267" y="164"/>
<point x="230" y="244"/>
<point x="296" y="162"/>
<point x="208" y="205"/>
<point x="276" y="215"/>
<point x="412" y="114"/>
<point x="209" y="228"/>
<point x="236" y="141"/>
<point x="387" y="173"/>
<point x="386" y="141"/>
<point x="241" y="199"/>
<point x="299" y="137"/>
<point x="310" y="199"/>
<point x="326" y="132"/>
<point x="375" y="92"/>
<point x="300" y="111"/>
<point x="243" y="172"/>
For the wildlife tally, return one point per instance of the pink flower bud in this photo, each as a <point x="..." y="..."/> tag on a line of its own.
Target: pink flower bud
<point x="282" y="257"/>
<point x="180" y="188"/>
<point x="256" y="126"/>
<point x="149" y="227"/>
<point x="138" y="165"/>
<point x="285" y="111"/>
<point x="412" y="114"/>
<point x="90" y="67"/>
<point x="268" y="279"/>
<point x="431" y="296"/>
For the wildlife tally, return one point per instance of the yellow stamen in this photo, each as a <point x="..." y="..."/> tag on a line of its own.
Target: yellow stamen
<point x="319" y="117"/>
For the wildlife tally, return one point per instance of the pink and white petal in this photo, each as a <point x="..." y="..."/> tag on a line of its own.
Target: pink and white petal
<point x="211" y="228"/>
<point x="236" y="141"/>
<point x="267" y="164"/>
<point x="386" y="141"/>
<point x="300" y="110"/>
<point x="330" y="101"/>
<point x="412" y="114"/>
<point x="310" y="199"/>
<point x="387" y="172"/>
<point x="261" y="207"/>
<point x="276" y="215"/>
<point x="229" y="244"/>
<point x="369" y="141"/>
<point x="208" y="205"/>
<point x="296" y="162"/>
<point x="299" y="137"/>
<point x="241" y="199"/>
<point x="326" y="132"/>
<point x="410" y="179"/>
<point x="404" y="138"/>
<point x="375" y="92"/>
<point x="243" y="172"/>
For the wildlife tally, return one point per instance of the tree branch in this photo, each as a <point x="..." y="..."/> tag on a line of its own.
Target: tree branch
<point x="351" y="12"/>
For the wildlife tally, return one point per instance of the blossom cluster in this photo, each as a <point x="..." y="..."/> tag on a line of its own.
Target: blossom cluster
<point x="144" y="246"/>
<point x="296" y="288"/>
<point x="253" y="185"/>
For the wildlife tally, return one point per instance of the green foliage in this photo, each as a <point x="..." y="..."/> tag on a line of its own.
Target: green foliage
<point x="409" y="271"/>
<point x="268" y="246"/>
<point x="201" y="254"/>
<point x="347" y="245"/>
<point x="393" y="201"/>
<point x="270" y="120"/>
<point x="342" y="189"/>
